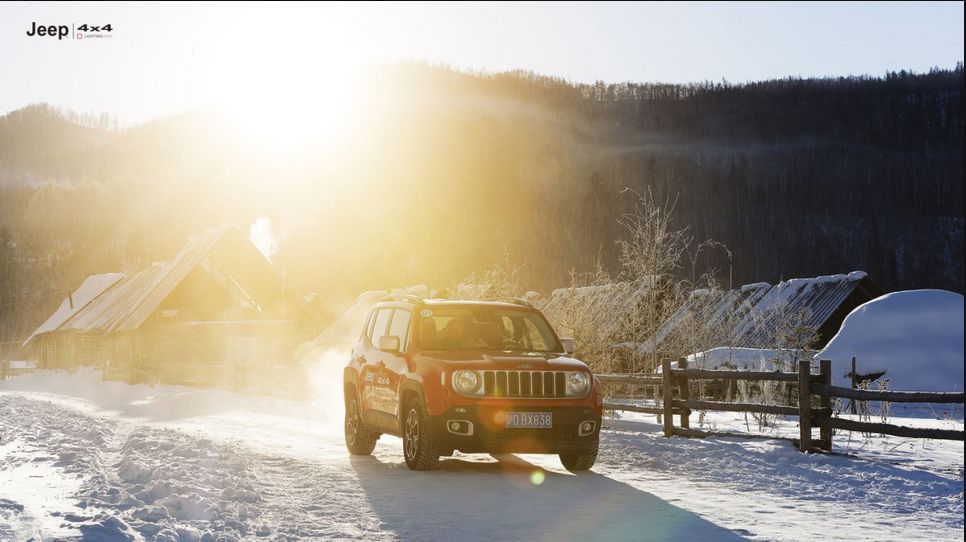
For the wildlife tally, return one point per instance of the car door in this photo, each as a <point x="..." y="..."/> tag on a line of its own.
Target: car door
<point x="372" y="367"/>
<point x="394" y="366"/>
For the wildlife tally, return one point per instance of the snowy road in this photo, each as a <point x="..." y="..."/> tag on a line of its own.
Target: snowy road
<point x="85" y="459"/>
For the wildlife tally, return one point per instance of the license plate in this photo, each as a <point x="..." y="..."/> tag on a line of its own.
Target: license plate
<point x="539" y="420"/>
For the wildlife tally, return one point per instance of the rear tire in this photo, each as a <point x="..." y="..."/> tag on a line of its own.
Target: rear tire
<point x="358" y="439"/>
<point x="419" y="443"/>
<point x="580" y="461"/>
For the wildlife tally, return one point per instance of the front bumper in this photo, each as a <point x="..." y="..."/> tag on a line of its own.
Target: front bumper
<point x="482" y="429"/>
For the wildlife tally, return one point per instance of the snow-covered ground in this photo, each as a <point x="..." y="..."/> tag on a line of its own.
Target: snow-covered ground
<point x="92" y="460"/>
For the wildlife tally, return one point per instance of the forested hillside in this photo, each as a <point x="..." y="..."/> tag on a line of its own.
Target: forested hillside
<point x="439" y="172"/>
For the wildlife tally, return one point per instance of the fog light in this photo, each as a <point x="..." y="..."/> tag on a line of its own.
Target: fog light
<point x="586" y="428"/>
<point x="460" y="427"/>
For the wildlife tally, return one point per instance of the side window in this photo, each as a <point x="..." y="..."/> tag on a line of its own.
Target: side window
<point x="400" y="328"/>
<point x="380" y="323"/>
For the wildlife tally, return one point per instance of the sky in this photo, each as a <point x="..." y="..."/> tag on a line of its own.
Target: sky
<point x="167" y="58"/>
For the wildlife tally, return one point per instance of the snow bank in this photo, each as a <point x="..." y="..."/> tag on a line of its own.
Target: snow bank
<point x="916" y="336"/>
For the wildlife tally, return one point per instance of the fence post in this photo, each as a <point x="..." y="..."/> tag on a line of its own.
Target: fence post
<point x="854" y="382"/>
<point x="825" y="426"/>
<point x="668" y="398"/>
<point x="685" y="394"/>
<point x="804" y="407"/>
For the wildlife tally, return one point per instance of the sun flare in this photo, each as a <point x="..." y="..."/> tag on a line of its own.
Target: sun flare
<point x="295" y="89"/>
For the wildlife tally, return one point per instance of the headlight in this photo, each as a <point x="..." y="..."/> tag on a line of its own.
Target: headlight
<point x="466" y="382"/>
<point x="578" y="383"/>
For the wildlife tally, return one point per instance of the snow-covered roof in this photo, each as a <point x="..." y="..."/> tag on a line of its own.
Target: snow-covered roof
<point x="125" y="302"/>
<point x="754" y="311"/>
<point x="599" y="300"/>
<point x="90" y="289"/>
<point x="129" y="303"/>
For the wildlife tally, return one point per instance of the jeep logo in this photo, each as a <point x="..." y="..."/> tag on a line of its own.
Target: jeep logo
<point x="61" y="31"/>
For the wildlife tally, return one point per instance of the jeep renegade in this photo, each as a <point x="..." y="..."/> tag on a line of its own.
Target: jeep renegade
<point x="473" y="376"/>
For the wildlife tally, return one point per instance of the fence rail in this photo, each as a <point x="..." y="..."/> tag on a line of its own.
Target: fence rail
<point x="705" y="374"/>
<point x="633" y="408"/>
<point x="737" y="407"/>
<point x="890" y="396"/>
<point x="639" y="380"/>
<point x="809" y="386"/>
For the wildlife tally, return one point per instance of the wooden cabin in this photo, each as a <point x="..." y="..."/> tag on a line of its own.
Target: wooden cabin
<point x="215" y="314"/>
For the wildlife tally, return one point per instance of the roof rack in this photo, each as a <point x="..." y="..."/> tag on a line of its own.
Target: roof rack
<point x="514" y="300"/>
<point x="408" y="298"/>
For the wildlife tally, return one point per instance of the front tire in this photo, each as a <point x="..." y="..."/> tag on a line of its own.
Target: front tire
<point x="580" y="461"/>
<point x="358" y="439"/>
<point x="419" y="442"/>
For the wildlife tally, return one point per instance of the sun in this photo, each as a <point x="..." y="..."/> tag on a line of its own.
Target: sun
<point x="289" y="89"/>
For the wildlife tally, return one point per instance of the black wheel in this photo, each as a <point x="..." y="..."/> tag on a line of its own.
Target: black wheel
<point x="580" y="461"/>
<point x="419" y="442"/>
<point x="358" y="439"/>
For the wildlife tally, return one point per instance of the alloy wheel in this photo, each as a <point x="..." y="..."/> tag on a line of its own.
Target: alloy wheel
<point x="411" y="440"/>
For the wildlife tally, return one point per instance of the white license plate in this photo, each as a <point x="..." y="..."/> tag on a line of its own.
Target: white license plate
<point x="539" y="420"/>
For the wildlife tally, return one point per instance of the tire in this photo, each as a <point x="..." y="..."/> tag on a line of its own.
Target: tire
<point x="419" y="443"/>
<point x="580" y="461"/>
<point x="358" y="439"/>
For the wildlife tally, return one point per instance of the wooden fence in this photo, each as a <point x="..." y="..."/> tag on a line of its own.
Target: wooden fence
<point x="809" y="385"/>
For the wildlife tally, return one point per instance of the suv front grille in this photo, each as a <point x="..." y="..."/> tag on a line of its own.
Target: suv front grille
<point x="535" y="384"/>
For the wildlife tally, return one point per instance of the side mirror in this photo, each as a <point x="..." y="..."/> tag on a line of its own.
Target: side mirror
<point x="389" y="343"/>
<point x="570" y="345"/>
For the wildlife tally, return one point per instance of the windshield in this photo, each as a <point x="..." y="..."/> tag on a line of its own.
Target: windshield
<point x="485" y="328"/>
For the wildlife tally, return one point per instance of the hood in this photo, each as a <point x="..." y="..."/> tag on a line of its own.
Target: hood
<point x="506" y="360"/>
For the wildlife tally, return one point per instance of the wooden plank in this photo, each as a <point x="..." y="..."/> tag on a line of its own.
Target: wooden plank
<point x="706" y="374"/>
<point x="825" y="430"/>
<point x="895" y="430"/>
<point x="668" y="399"/>
<point x="640" y="380"/>
<point x="737" y="407"/>
<point x="685" y="394"/>
<point x="804" y="407"/>
<point x="633" y="408"/>
<point x="891" y="396"/>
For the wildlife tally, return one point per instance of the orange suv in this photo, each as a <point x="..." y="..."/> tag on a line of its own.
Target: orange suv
<point x="474" y="376"/>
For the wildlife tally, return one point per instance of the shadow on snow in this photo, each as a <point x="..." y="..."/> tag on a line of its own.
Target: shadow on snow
<point x="473" y="500"/>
